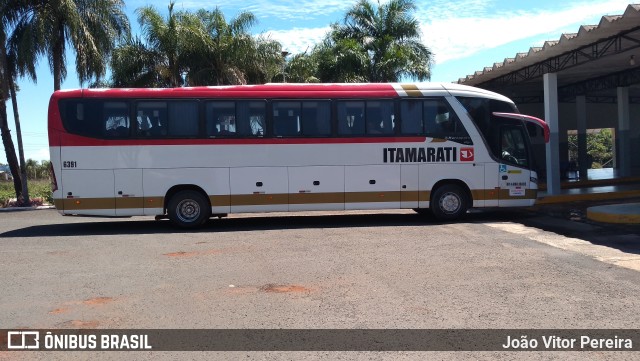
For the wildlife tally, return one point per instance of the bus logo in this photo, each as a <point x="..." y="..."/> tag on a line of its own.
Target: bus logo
<point x="466" y="154"/>
<point x="21" y="340"/>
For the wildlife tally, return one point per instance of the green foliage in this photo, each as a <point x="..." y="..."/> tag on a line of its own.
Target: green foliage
<point x="210" y="49"/>
<point x="599" y="148"/>
<point x="375" y="44"/>
<point x="39" y="184"/>
<point x="40" y="192"/>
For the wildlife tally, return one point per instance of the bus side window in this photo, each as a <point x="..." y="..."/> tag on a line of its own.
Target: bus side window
<point x="351" y="118"/>
<point x="316" y="118"/>
<point x="82" y="117"/>
<point x="380" y="117"/>
<point x="442" y="122"/>
<point x="183" y="119"/>
<point x="286" y="119"/>
<point x="221" y="118"/>
<point x="151" y="119"/>
<point x="250" y="118"/>
<point x="116" y="119"/>
<point x="411" y="117"/>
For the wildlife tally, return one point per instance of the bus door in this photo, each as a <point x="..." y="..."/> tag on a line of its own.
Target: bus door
<point x="514" y="167"/>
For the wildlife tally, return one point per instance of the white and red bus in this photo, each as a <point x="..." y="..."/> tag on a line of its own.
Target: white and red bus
<point x="193" y="153"/>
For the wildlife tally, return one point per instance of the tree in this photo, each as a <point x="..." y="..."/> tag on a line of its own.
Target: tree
<point x="232" y="55"/>
<point x="302" y="68"/>
<point x="203" y="45"/>
<point x="9" y="12"/>
<point x="379" y="44"/>
<point x="599" y="147"/>
<point x="91" y="27"/>
<point x="161" y="55"/>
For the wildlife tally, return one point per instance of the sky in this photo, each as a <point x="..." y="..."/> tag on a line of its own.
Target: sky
<point x="465" y="36"/>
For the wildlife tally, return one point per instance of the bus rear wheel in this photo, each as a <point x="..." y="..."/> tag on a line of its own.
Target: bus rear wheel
<point x="449" y="202"/>
<point x="188" y="209"/>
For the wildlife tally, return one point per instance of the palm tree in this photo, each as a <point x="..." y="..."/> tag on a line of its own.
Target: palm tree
<point x="203" y="45"/>
<point x="91" y="27"/>
<point x="231" y="55"/>
<point x="135" y="65"/>
<point x="341" y="61"/>
<point x="302" y="68"/>
<point x="13" y="69"/>
<point x="387" y="36"/>
<point x="161" y="56"/>
<point x="9" y="12"/>
<point x="163" y="38"/>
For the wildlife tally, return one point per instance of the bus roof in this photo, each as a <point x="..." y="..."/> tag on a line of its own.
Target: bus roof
<point x="289" y="90"/>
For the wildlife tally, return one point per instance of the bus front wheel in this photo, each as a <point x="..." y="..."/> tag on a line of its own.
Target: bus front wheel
<point x="188" y="209"/>
<point x="449" y="202"/>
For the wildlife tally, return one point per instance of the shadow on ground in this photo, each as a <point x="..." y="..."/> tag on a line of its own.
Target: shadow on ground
<point x="568" y="220"/>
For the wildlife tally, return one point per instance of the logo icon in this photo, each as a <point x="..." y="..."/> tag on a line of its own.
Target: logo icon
<point x="466" y="154"/>
<point x="22" y="340"/>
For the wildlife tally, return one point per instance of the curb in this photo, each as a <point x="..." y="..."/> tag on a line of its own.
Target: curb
<point x="563" y="198"/>
<point x="23" y="209"/>
<point x="616" y="213"/>
<point x="586" y="183"/>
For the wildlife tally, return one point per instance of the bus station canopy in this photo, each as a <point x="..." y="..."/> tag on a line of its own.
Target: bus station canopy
<point x="592" y="62"/>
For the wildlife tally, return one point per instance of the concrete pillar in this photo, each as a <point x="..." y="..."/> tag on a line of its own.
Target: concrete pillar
<point x="550" y="81"/>
<point x="583" y="158"/>
<point x="623" y="154"/>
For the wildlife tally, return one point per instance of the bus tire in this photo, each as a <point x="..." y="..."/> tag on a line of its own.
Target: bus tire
<point x="449" y="202"/>
<point x="188" y="209"/>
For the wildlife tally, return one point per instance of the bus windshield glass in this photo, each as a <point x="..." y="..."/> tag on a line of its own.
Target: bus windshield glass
<point x="498" y="132"/>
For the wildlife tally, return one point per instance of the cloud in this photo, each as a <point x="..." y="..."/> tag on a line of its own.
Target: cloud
<point x="298" y="40"/>
<point x="281" y="9"/>
<point x="297" y="9"/>
<point x="461" y="29"/>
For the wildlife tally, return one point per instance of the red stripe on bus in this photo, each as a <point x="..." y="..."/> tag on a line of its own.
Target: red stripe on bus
<point x="70" y="140"/>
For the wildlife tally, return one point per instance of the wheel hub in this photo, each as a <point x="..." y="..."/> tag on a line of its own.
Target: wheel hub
<point x="188" y="210"/>
<point x="450" y="203"/>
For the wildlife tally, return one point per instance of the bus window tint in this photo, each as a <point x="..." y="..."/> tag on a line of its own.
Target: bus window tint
<point x="151" y="119"/>
<point x="183" y="119"/>
<point x="286" y="119"/>
<point x="316" y="118"/>
<point x="116" y="119"/>
<point x="250" y="118"/>
<point x="380" y="117"/>
<point x="411" y="116"/>
<point x="480" y="111"/>
<point x="442" y="122"/>
<point x="220" y="118"/>
<point x="82" y="117"/>
<point x="351" y="118"/>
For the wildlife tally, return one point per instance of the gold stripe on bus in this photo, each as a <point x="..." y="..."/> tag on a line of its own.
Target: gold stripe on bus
<point x="129" y="202"/>
<point x="258" y="199"/>
<point x="58" y="203"/>
<point x="153" y="202"/>
<point x="220" y="200"/>
<point x="410" y="196"/>
<point x="372" y="197"/>
<point x="77" y="204"/>
<point x="70" y="204"/>
<point x="438" y="140"/>
<point x="411" y="90"/>
<point x="316" y="198"/>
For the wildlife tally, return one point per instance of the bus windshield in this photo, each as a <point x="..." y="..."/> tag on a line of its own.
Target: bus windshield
<point x="505" y="136"/>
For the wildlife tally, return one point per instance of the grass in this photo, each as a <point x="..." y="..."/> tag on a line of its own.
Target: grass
<point x="39" y="192"/>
